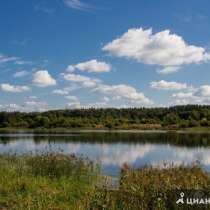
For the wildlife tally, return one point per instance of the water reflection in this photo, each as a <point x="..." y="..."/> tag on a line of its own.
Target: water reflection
<point x="135" y="149"/>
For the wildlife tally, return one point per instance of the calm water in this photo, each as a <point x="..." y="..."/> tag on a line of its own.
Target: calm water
<point x="112" y="150"/>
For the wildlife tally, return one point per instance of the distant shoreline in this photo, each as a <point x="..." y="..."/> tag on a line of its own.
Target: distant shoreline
<point x="90" y="130"/>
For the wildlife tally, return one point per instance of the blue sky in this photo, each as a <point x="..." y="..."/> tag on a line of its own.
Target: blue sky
<point x="70" y="53"/>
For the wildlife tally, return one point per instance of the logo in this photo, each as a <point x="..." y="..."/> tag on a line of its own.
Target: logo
<point x="181" y="200"/>
<point x="197" y="199"/>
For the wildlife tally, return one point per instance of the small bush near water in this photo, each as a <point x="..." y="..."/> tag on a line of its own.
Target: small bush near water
<point x="54" y="181"/>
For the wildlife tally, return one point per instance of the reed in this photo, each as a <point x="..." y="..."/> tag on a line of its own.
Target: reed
<point x="54" y="181"/>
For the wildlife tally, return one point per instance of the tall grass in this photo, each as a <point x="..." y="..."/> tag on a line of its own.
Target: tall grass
<point x="152" y="188"/>
<point x="54" y="181"/>
<point x="48" y="181"/>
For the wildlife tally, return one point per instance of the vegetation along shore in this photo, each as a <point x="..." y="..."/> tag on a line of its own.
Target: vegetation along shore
<point x="190" y="118"/>
<point x="55" y="181"/>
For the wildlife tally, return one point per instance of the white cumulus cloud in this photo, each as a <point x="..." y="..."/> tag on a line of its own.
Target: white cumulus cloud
<point x="123" y="91"/>
<point x="200" y="95"/>
<point x="165" y="85"/>
<point x="91" y="66"/>
<point x="117" y="92"/>
<point x="163" y="48"/>
<point x="60" y="92"/>
<point x="203" y="91"/>
<point x="28" y="106"/>
<point x="83" y="80"/>
<point x="14" y="88"/>
<point x="42" y="78"/>
<point x="168" y="70"/>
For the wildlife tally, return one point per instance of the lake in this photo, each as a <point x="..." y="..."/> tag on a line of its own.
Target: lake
<point x="112" y="150"/>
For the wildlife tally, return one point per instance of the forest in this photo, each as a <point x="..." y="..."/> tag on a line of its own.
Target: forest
<point x="176" y="117"/>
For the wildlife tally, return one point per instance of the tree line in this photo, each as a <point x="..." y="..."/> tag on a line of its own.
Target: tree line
<point x="172" y="117"/>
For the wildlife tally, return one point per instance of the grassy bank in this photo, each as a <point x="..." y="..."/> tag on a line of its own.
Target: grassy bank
<point x="129" y="129"/>
<point x="154" y="188"/>
<point x="60" y="182"/>
<point x="50" y="181"/>
<point x="83" y="129"/>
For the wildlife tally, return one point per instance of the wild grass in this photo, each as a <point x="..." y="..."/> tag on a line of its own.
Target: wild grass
<point x="152" y="188"/>
<point x="48" y="181"/>
<point x="54" y="181"/>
